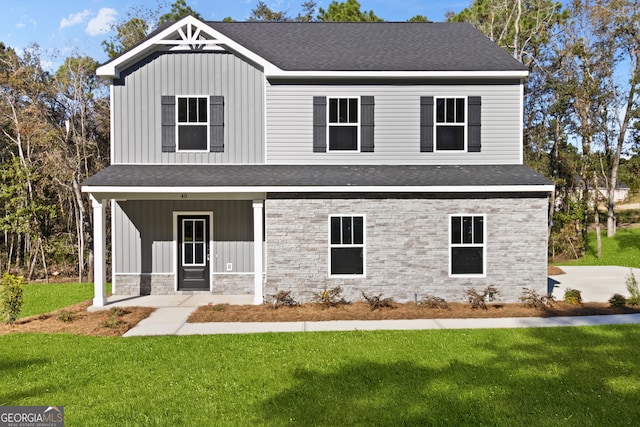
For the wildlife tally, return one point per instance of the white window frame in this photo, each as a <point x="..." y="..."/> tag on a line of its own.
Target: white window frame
<point x="357" y="124"/>
<point x="352" y="245"/>
<point x="203" y="124"/>
<point x="464" y="125"/>
<point x="482" y="245"/>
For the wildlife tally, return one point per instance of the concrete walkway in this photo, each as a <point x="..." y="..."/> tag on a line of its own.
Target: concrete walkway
<point x="597" y="284"/>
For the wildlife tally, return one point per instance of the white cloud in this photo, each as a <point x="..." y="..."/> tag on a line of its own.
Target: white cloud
<point x="74" y="19"/>
<point x="102" y="23"/>
<point x="20" y="25"/>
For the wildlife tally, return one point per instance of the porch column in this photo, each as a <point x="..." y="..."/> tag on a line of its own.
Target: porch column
<point x="99" y="253"/>
<point x="258" y="206"/>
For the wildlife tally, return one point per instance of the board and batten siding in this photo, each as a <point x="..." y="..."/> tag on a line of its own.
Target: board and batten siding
<point x="397" y="124"/>
<point x="137" y="107"/>
<point x="143" y="235"/>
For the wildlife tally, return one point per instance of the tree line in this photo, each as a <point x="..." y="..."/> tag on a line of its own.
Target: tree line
<point x="580" y="124"/>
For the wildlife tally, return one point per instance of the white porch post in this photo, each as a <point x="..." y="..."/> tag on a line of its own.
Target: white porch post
<point x="99" y="253"/>
<point x="258" y="206"/>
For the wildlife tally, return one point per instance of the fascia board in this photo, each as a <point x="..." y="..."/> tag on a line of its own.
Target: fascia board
<point x="396" y="74"/>
<point x="323" y="189"/>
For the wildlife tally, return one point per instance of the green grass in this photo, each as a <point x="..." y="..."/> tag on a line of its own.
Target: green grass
<point x="623" y="249"/>
<point x="43" y="298"/>
<point x="512" y="377"/>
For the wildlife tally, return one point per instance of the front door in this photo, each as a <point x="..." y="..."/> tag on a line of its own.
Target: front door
<point x="193" y="252"/>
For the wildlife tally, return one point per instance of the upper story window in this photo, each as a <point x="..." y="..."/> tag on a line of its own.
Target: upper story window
<point x="193" y="123"/>
<point x="451" y="124"/>
<point x="343" y="124"/>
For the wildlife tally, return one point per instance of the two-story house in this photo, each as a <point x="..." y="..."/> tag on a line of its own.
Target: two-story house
<point x="380" y="157"/>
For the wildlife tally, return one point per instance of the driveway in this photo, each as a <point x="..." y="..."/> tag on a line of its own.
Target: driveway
<point x="597" y="284"/>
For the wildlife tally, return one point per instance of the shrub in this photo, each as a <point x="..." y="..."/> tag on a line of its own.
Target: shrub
<point x="11" y="297"/>
<point x="617" y="300"/>
<point x="329" y="297"/>
<point x="572" y="296"/>
<point x="376" y="302"/>
<point x="480" y="300"/>
<point x="66" y="316"/>
<point x="217" y="307"/>
<point x="283" y="299"/>
<point x="114" y="318"/>
<point x="632" y="288"/>
<point x="431" y="301"/>
<point x="531" y="299"/>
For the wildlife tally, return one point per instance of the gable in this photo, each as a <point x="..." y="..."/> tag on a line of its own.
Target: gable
<point x="336" y="49"/>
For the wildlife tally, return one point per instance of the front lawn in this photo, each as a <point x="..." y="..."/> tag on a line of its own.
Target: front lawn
<point x="45" y="297"/>
<point x="623" y="249"/>
<point x="543" y="377"/>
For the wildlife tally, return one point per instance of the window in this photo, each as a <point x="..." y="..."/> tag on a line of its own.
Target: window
<point x="194" y="242"/>
<point x="343" y="124"/>
<point x="346" y="247"/>
<point x="467" y="245"/>
<point x="450" y="123"/>
<point x="193" y="123"/>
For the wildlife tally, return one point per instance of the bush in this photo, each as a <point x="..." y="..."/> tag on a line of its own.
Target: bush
<point x="283" y="299"/>
<point x="431" y="301"/>
<point x="531" y="299"/>
<point x="480" y="300"/>
<point x="66" y="316"/>
<point x="11" y="297"/>
<point x="329" y="298"/>
<point x="617" y="300"/>
<point x="114" y="319"/>
<point x="376" y="302"/>
<point x="632" y="288"/>
<point x="572" y="296"/>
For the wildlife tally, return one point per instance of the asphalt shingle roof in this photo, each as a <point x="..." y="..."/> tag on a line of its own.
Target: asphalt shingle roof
<point x="370" y="46"/>
<point x="315" y="176"/>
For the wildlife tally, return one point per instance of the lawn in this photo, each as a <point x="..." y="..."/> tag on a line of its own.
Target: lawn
<point x="43" y="298"/>
<point x="623" y="249"/>
<point x="544" y="377"/>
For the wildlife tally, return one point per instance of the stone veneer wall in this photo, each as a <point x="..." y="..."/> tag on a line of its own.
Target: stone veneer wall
<point x="407" y="246"/>
<point x="164" y="284"/>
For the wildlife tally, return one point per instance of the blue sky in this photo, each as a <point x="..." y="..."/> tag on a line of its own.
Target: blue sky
<point x="66" y="27"/>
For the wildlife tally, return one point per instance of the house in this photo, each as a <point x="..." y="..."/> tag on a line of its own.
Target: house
<point x="380" y="157"/>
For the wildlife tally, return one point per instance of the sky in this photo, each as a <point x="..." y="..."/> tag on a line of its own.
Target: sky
<point x="77" y="27"/>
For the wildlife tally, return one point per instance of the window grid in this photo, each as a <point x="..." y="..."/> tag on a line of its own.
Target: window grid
<point x="194" y="241"/>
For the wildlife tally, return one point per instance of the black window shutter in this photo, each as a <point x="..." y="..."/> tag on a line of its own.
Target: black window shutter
<point x="426" y="123"/>
<point x="216" y="124"/>
<point x="474" y="108"/>
<point x="367" y="114"/>
<point x="319" y="124"/>
<point x="168" y="113"/>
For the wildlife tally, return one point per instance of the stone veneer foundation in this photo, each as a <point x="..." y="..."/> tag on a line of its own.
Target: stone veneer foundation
<point x="407" y="246"/>
<point x="164" y="284"/>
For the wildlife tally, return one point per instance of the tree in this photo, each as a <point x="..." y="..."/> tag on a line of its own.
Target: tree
<point x="418" y="18"/>
<point x="128" y="34"/>
<point x="179" y="10"/>
<point x="263" y="13"/>
<point x="347" y="11"/>
<point x="519" y="26"/>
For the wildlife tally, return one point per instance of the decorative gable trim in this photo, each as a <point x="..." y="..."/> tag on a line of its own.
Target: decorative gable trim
<point x="187" y="34"/>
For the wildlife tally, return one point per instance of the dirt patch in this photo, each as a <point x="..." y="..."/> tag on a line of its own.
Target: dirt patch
<point x="361" y="311"/>
<point x="80" y="321"/>
<point x="552" y="270"/>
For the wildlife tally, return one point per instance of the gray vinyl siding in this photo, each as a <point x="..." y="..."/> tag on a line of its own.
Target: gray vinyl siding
<point x="397" y="124"/>
<point x="137" y="107"/>
<point x="143" y="235"/>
